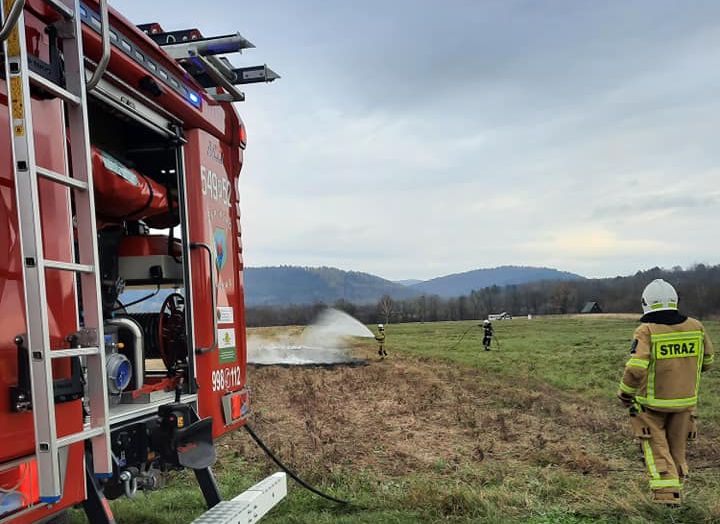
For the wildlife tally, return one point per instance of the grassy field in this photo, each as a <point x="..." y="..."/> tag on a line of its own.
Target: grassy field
<point x="442" y="431"/>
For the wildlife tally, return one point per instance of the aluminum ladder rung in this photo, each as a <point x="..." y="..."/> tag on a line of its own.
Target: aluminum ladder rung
<point x="69" y="266"/>
<point x="74" y="352"/>
<point x="79" y="437"/>
<point x="53" y="88"/>
<point x="62" y="9"/>
<point x="81" y="236"/>
<point x="61" y="179"/>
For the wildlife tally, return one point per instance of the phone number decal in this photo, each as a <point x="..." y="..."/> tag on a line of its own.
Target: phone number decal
<point x="226" y="378"/>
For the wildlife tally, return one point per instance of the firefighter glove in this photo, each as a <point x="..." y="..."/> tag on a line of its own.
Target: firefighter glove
<point x="627" y="400"/>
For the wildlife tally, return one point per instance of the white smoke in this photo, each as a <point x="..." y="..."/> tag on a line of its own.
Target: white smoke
<point x="331" y="328"/>
<point x="322" y="342"/>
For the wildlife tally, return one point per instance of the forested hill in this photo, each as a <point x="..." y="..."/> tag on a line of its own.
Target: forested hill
<point x="462" y="283"/>
<point x="308" y="285"/>
<point x="283" y="285"/>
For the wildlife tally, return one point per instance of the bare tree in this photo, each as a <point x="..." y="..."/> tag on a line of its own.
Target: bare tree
<point x="421" y="305"/>
<point x="563" y="297"/>
<point x="476" y="301"/>
<point x="386" y="307"/>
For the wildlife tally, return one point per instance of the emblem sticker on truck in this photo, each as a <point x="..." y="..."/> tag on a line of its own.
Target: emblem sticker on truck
<point x="225" y="315"/>
<point x="220" y="238"/>
<point x="226" y="345"/>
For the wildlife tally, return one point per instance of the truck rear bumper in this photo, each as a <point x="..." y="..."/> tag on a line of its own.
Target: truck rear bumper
<point x="251" y="505"/>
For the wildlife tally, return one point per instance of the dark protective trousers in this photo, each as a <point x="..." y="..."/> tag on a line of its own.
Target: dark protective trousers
<point x="663" y="439"/>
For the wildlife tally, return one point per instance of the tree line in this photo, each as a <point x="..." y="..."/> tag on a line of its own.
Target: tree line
<point x="697" y="286"/>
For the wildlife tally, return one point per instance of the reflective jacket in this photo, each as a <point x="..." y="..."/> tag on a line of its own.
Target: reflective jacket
<point x="663" y="372"/>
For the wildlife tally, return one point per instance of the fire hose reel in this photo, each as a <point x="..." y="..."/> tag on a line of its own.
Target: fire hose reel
<point x="164" y="332"/>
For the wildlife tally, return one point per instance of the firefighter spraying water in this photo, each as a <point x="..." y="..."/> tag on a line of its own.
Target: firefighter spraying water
<point x="487" y="334"/>
<point x="380" y="337"/>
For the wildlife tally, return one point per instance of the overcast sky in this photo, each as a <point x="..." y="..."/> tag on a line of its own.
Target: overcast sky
<point x="412" y="139"/>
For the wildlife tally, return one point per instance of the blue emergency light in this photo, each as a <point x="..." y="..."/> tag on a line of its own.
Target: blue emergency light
<point x="194" y="98"/>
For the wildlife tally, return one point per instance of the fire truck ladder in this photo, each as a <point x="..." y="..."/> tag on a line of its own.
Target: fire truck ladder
<point x="89" y="346"/>
<point x="200" y="57"/>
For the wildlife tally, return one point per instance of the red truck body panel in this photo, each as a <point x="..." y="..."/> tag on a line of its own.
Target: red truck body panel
<point x="212" y="168"/>
<point x="213" y="160"/>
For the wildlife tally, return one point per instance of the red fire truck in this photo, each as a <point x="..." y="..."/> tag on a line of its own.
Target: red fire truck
<point x="121" y="156"/>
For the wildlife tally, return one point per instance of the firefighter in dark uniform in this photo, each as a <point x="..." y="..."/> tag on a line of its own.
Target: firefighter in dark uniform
<point x="487" y="334"/>
<point x="380" y="337"/>
<point x="660" y="386"/>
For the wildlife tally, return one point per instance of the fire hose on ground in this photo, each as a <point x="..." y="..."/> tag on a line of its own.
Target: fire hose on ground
<point x="456" y="344"/>
<point x="290" y="472"/>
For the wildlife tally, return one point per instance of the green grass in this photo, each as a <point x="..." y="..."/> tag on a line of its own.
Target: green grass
<point x="582" y="355"/>
<point x="580" y="359"/>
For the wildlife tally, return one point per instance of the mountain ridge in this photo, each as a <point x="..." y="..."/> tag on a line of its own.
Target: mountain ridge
<point x="457" y="284"/>
<point x="283" y="285"/>
<point x="275" y="285"/>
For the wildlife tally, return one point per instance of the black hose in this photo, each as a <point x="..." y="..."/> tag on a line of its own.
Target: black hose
<point x="290" y="472"/>
<point x="143" y="299"/>
<point x="461" y="338"/>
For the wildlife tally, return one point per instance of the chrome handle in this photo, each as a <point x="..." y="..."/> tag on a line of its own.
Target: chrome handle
<point x="105" y="58"/>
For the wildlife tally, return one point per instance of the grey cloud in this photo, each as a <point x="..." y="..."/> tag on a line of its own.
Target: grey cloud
<point x="440" y="136"/>
<point x="649" y="203"/>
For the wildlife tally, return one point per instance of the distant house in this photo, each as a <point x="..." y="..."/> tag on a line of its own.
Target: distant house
<point x="591" y="307"/>
<point x="501" y="316"/>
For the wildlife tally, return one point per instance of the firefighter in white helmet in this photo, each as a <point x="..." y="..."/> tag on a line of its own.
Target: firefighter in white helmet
<point x="487" y="334"/>
<point x="380" y="337"/>
<point x="660" y="386"/>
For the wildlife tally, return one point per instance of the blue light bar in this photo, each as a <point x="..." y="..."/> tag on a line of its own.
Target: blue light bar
<point x="194" y="98"/>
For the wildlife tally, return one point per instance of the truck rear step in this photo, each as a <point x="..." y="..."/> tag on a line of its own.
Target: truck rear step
<point x="251" y="505"/>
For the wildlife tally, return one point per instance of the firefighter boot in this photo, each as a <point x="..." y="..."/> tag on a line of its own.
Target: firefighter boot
<point x="668" y="497"/>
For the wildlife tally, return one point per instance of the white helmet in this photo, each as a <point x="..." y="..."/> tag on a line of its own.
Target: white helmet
<point x="659" y="296"/>
<point x="381" y="327"/>
<point x="486" y="322"/>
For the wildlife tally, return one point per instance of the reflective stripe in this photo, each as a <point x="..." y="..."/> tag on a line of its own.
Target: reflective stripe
<point x="671" y="305"/>
<point x="709" y="359"/>
<point x="650" y="460"/>
<point x="656" y="482"/>
<point x="638" y="363"/>
<point x="675" y="335"/>
<point x="657" y="306"/>
<point x="665" y="483"/>
<point x="627" y="389"/>
<point x="667" y="403"/>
